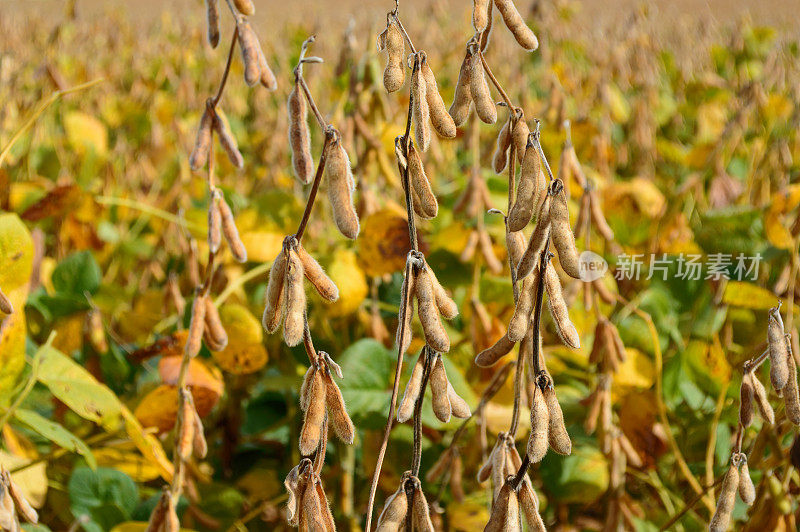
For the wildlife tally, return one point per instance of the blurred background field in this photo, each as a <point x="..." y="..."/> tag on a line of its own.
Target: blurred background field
<point x="684" y="115"/>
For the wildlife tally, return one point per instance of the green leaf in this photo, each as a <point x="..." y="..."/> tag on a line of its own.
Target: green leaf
<point x="76" y="274"/>
<point x="56" y="434"/>
<point x="106" y="495"/>
<point x="368" y="369"/>
<point x="78" y="389"/>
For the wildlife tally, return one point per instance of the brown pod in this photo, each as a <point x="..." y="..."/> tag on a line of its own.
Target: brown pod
<point x="470" y="247"/>
<point x="479" y="89"/>
<point x="171" y="521"/>
<point x="630" y="453"/>
<point x="428" y="313"/>
<point x="196" y="326"/>
<point x="598" y="218"/>
<point x="337" y="412"/>
<point x="299" y="136"/>
<point x="231" y="233"/>
<point x="214" y="223"/>
<point x="392" y="40"/>
<point x="518" y="326"/>
<point x="499" y="462"/>
<point x="457" y="478"/>
<point x="764" y="408"/>
<point x="305" y="388"/>
<point x="327" y="517"/>
<point x="422" y="515"/>
<point x="421" y="112"/>
<point x="725" y="502"/>
<point x="519" y="136"/>
<point x="505" y="512"/>
<point x="202" y="144"/>
<point x="341" y="186"/>
<point x="489" y="357"/>
<point x="487" y="251"/>
<point x="746" y="399"/>
<point x="245" y="7"/>
<point x="314" y="414"/>
<point x="778" y="350"/>
<point x="394" y="512"/>
<point x="558" y="309"/>
<point x="412" y="391"/>
<point x="186" y="435"/>
<point x="747" y="491"/>
<point x="227" y="141"/>
<point x="5" y="304"/>
<point x="462" y="97"/>
<point x="311" y="510"/>
<point x="540" y="422"/>
<point x="317" y="276"/>
<point x="522" y="211"/>
<point x="447" y="307"/>
<point x="403" y="336"/>
<point x="441" y="121"/>
<point x="213" y="325"/>
<point x="199" y="444"/>
<point x="212" y="15"/>
<point x="274" y="299"/>
<point x="22" y="505"/>
<point x="267" y="77"/>
<point x="248" y="43"/>
<point x="438" y="384"/>
<point x="557" y="432"/>
<point x="157" y="516"/>
<point x="530" y="507"/>
<point x="500" y="157"/>
<point x="516" y="24"/>
<point x="294" y="301"/>
<point x="602" y="290"/>
<point x="486" y="468"/>
<point x="421" y="185"/>
<point x="458" y="405"/>
<point x="480" y="14"/>
<point x="791" y="397"/>
<point x="563" y="239"/>
<point x="537" y="242"/>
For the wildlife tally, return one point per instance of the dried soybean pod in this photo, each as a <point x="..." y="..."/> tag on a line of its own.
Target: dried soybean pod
<point x="499" y="460"/>
<point x="791" y="396"/>
<point x="530" y="507"/>
<point x="537" y="242"/>
<point x="563" y="239"/>
<point x="340" y="188"/>
<point x="267" y="77"/>
<point x="317" y="276"/>
<point x="438" y="384"/>
<point x="413" y="388"/>
<point x="171" y="521"/>
<point x="470" y="247"/>
<point x="557" y="432"/>
<point x="403" y="336"/>
<point x="23" y="507"/>
<point x="747" y="491"/>
<point x="294" y="301"/>
<point x="394" y="75"/>
<point x="515" y="242"/>
<point x="487" y="251"/>
<point x="599" y="218"/>
<point x="5" y="304"/>
<point x="486" y="469"/>
<point x="726" y="500"/>
<point x="314" y="415"/>
<point x="199" y="443"/>
<point x="159" y="513"/>
<point x="428" y="312"/>
<point x="299" y="136"/>
<point x="540" y="422"/>
<point x="558" y="308"/>
<point x="778" y="350"/>
<point x="186" y="435"/>
<point x="202" y="144"/>
<point x="746" y="399"/>
<point x="516" y="24"/>
<point x="457" y="477"/>
<point x="212" y="12"/>
<point x="8" y="517"/>
<point x="479" y="89"/>
<point x="227" y="141"/>
<point x="602" y="290"/>
<point x="447" y="307"/>
<point x="764" y="408"/>
<point x="462" y="97"/>
<point x="245" y="7"/>
<point x="337" y="412"/>
<point x="500" y="157"/>
<point x="421" y="184"/>
<point x="458" y="405"/>
<point x="196" y="326"/>
<point x="248" y="43"/>
<point x="519" y="136"/>
<point x="489" y="357"/>
<point x="518" y="325"/>
<point x="213" y="325"/>
<point x="394" y="512"/>
<point x="327" y="517"/>
<point x="522" y="211"/>
<point x="231" y="233"/>
<point x="420" y="112"/>
<point x="214" y="223"/>
<point x="505" y="511"/>
<point x="422" y="515"/>
<point x="441" y="121"/>
<point x="274" y="304"/>
<point x="480" y="14"/>
<point x="311" y="512"/>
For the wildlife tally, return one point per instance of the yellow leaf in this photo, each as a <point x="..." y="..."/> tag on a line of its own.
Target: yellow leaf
<point x="711" y="119"/>
<point x="139" y="321"/>
<point x="636" y="372"/>
<point x="384" y="243"/>
<point x="244" y="353"/>
<point x="138" y="526"/>
<point x="240" y="323"/>
<point x="351" y="281"/>
<point x="620" y="110"/>
<point x="748" y="295"/>
<point x="129" y="462"/>
<point x="639" y="195"/>
<point x="147" y="444"/>
<point x="469" y="515"/>
<point x="777" y="233"/>
<point x="86" y="133"/>
<point x="262" y="246"/>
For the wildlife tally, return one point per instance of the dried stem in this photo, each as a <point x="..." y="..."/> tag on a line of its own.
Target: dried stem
<point x="215" y="100"/>
<point x="430" y="357"/>
<point x="330" y="133"/>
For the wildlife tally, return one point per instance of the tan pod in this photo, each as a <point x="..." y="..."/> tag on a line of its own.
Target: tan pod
<point x="557" y="432"/>
<point x="317" y="276"/>
<point x="522" y="211"/>
<point x="299" y="135"/>
<point x="537" y="242"/>
<point x="520" y="321"/>
<point x="428" y="312"/>
<point x="314" y="414"/>
<point x="746" y="399"/>
<point x="447" y="307"/>
<point x="558" y="309"/>
<point x="458" y="405"/>
<point x="563" y="238"/>
<point x="421" y="114"/>
<point x="202" y="144"/>
<point x="764" y="408"/>
<point x="294" y="301"/>
<point x="337" y="412"/>
<point x="747" y="491"/>
<point x="500" y="157"/>
<point x="227" y="141"/>
<point x="245" y="7"/>
<point x="479" y="89"/>
<point x="441" y="121"/>
<point x="725" y="502"/>
<point x="462" y="98"/>
<point x="392" y="41"/>
<point x="538" y="440"/>
<point x="519" y="136"/>
<point x="516" y="24"/>
<point x="406" y="409"/>
<point x="403" y="336"/>
<point x="778" y="350"/>
<point x="231" y="233"/>
<point x="489" y="357"/>
<point x="480" y="14"/>
<point x="214" y="327"/>
<point x="248" y="43"/>
<point x="393" y="516"/>
<point x="212" y="18"/>
<point x="438" y="384"/>
<point x="196" y="326"/>
<point x="422" y="516"/>
<point x="424" y="197"/>
<point x="341" y="186"/>
<point x="274" y="296"/>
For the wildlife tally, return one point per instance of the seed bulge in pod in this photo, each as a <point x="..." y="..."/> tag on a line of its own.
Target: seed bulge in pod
<point x="245" y="7"/>
<point x="439" y="385"/>
<point x="462" y="97"/>
<point x="337" y="412"/>
<point x="563" y="239"/>
<point x="537" y="241"/>
<point x="248" y="42"/>
<point x="558" y="309"/>
<point x="294" y="301"/>
<point x="557" y="432"/>
<point x="520" y="321"/>
<point x="421" y="184"/>
<point x="317" y="276"/>
<point x="516" y="24"/>
<point x="299" y="135"/>
<point x="314" y="414"/>
<point x="522" y="210"/>
<point x="519" y="136"/>
<point x="484" y="105"/>
<point x="540" y="422"/>
<point x="341" y="186"/>
<point x="420" y="111"/>
<point x="778" y="350"/>
<point x="441" y="121"/>
<point x="428" y="312"/>
<point x="394" y="75"/>
<point x="747" y="491"/>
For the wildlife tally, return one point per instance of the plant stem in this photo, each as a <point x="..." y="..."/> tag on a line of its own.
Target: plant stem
<point x="215" y="100"/>
<point x="430" y="358"/>
<point x="312" y="196"/>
